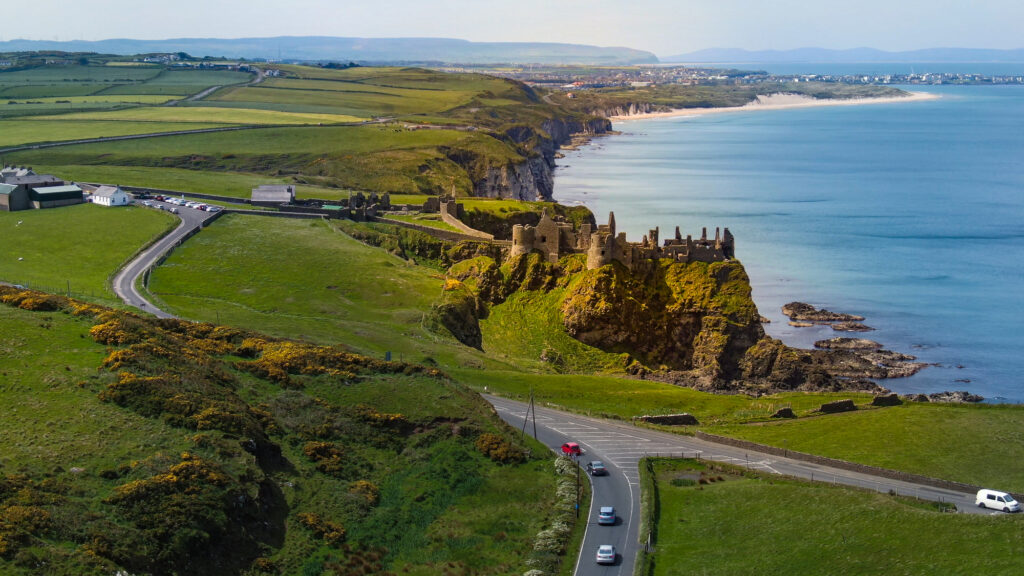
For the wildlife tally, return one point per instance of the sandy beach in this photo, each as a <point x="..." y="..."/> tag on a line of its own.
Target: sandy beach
<point x="780" y="102"/>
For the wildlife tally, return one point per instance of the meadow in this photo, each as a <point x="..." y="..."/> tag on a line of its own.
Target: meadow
<point x="22" y="132"/>
<point x="789" y="527"/>
<point x="75" y="246"/>
<point x="206" y="114"/>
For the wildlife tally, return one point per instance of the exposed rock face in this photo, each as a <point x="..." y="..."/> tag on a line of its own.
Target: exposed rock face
<point x="671" y="419"/>
<point x="868" y="364"/>
<point x="851" y="327"/>
<point x="800" y="311"/>
<point x="886" y="400"/>
<point x="684" y="316"/>
<point x="948" y="396"/>
<point x="837" y="406"/>
<point x="848" y="344"/>
<point x="530" y="181"/>
<point x="784" y="413"/>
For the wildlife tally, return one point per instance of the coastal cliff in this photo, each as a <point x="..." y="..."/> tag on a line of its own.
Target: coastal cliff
<point x="691" y="324"/>
<point x="532" y="179"/>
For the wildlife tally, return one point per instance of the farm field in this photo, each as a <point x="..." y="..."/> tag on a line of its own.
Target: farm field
<point x="381" y="158"/>
<point x="789" y="527"/>
<point x="207" y="114"/>
<point x="431" y="220"/>
<point x="58" y="247"/>
<point x="20" y="132"/>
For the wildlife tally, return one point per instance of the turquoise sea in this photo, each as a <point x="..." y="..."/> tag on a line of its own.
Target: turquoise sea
<point x="910" y="214"/>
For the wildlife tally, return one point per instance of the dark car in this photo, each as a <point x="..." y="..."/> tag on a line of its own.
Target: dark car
<point x="597" y="468"/>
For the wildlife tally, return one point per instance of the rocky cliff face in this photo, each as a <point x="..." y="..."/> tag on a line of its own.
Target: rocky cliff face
<point x="533" y="179"/>
<point x="634" y="108"/>
<point x="692" y="324"/>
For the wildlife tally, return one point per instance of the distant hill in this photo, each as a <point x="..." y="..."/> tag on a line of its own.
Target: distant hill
<point x="375" y="50"/>
<point x="851" y="55"/>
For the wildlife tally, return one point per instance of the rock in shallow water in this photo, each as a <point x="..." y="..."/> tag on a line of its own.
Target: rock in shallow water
<point x="807" y="313"/>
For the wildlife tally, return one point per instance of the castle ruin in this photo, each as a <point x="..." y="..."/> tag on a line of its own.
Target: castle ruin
<point x="603" y="245"/>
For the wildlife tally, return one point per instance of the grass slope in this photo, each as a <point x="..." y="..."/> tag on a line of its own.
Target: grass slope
<point x="207" y="114"/>
<point x="750" y="525"/>
<point x="82" y="245"/>
<point x="100" y="461"/>
<point x="256" y="272"/>
<point x="19" y="132"/>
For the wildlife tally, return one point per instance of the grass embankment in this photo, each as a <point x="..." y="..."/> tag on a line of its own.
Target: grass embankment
<point x="80" y="245"/>
<point x="208" y="114"/>
<point x="715" y="521"/>
<point x="222" y="452"/>
<point x="430" y="220"/>
<point x="21" y="132"/>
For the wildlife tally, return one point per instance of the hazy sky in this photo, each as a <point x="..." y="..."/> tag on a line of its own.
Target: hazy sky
<point x="664" y="27"/>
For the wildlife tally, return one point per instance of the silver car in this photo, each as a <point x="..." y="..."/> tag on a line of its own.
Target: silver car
<point x="605" y="554"/>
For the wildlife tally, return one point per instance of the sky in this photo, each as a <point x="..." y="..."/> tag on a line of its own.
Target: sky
<point x="665" y="27"/>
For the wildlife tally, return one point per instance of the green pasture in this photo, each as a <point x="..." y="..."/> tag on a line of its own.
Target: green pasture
<point x="301" y="279"/>
<point x="431" y="220"/>
<point x="20" y="132"/>
<point x="208" y="115"/>
<point x="976" y="444"/>
<point x="383" y="158"/>
<point x="777" y="526"/>
<point x="80" y="246"/>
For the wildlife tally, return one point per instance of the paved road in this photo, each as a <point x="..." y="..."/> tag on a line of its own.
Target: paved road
<point x="621" y="446"/>
<point x="124" y="281"/>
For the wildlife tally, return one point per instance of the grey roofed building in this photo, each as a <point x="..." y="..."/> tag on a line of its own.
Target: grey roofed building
<point x="54" y="196"/>
<point x="13" y="171"/>
<point x="273" y="194"/>
<point x="33" y="180"/>
<point x="13" y="198"/>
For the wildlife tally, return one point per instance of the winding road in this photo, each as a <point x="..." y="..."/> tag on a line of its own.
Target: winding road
<point x="621" y="446"/>
<point x="124" y="281"/>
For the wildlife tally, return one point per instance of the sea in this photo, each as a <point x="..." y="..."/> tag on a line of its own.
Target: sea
<point x="910" y="214"/>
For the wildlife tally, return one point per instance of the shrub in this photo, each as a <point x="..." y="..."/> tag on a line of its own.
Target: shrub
<point x="498" y="449"/>
<point x="683" y="482"/>
<point x="367" y="490"/>
<point x="330" y="532"/>
<point x="327" y="456"/>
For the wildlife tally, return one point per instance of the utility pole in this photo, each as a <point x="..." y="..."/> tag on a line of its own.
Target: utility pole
<point x="577" y="488"/>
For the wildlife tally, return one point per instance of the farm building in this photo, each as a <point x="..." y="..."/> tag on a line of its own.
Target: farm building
<point x="13" y="198"/>
<point x="273" y="195"/>
<point x="110" y="196"/>
<point x="55" y="196"/>
<point x="12" y="171"/>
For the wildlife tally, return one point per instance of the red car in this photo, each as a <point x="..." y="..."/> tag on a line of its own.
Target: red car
<point x="571" y="449"/>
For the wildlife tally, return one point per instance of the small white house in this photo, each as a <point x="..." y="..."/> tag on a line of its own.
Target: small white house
<point x="110" y="196"/>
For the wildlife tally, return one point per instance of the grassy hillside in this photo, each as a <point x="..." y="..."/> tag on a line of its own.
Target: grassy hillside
<point x="385" y="158"/>
<point x="792" y="527"/>
<point x="78" y="246"/>
<point x="219" y="451"/>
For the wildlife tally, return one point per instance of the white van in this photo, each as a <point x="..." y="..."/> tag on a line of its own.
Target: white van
<point x="997" y="501"/>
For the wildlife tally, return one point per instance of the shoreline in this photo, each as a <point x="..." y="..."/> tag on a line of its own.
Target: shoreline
<point x="780" y="102"/>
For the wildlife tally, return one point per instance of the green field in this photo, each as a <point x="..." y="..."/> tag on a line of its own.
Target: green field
<point x="233" y="184"/>
<point x="256" y="272"/>
<point x="21" y="132"/>
<point x="775" y="526"/>
<point x="209" y="115"/>
<point x="429" y="220"/>
<point x="953" y="442"/>
<point x="382" y="158"/>
<point x="59" y="247"/>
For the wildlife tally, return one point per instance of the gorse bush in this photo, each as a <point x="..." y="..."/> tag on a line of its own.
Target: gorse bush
<point x="498" y="449"/>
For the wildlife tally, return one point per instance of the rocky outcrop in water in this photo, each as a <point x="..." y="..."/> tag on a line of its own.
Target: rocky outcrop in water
<point x="803" y="312"/>
<point x="956" y="396"/>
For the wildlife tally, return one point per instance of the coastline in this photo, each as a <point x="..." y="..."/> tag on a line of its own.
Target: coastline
<point x="779" y="102"/>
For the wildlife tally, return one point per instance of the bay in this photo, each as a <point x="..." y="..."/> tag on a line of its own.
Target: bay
<point x="910" y="214"/>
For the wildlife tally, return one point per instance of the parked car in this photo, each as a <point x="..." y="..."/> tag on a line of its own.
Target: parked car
<point x="571" y="449"/>
<point x="174" y="210"/>
<point x="159" y="197"/>
<point x="605" y="554"/>
<point x="606" y="515"/>
<point x="213" y="208"/>
<point x="147" y="203"/>
<point x="597" y="468"/>
<point x="996" y="500"/>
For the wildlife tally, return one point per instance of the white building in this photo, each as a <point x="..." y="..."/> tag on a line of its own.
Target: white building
<point x="110" y="196"/>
